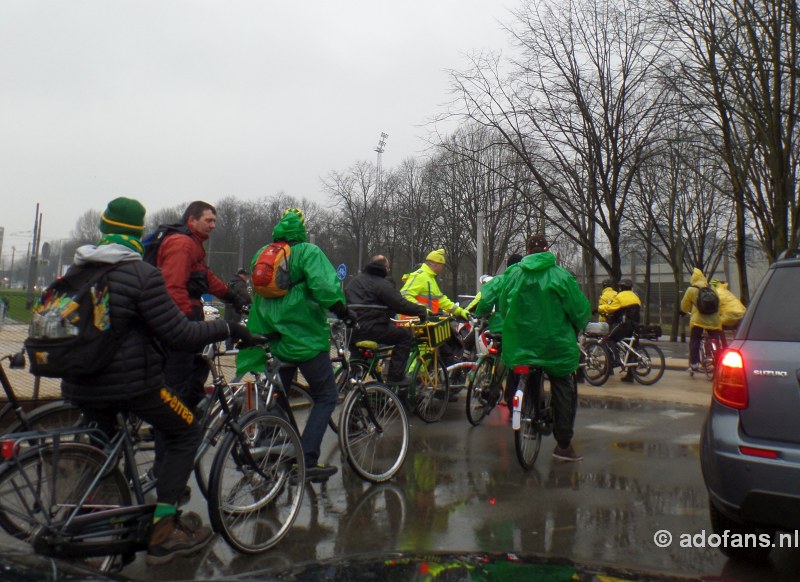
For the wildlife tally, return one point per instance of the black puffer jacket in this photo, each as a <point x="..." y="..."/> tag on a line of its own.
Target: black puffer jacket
<point x="371" y="287"/>
<point x="146" y="318"/>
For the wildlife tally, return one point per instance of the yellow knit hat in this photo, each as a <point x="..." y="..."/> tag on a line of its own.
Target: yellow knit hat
<point x="436" y="256"/>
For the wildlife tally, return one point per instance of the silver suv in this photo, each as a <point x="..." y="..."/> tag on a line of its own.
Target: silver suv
<point x="750" y="445"/>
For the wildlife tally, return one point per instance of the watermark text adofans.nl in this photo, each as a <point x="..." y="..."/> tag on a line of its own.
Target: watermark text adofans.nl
<point x="664" y="538"/>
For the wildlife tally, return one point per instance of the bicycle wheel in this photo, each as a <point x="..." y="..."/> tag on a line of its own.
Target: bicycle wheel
<point x="535" y="407"/>
<point x="650" y="364"/>
<point x="431" y="388"/>
<point x="708" y="357"/>
<point x="253" y="507"/>
<point x="458" y="375"/>
<point x="343" y="386"/>
<point x="597" y="367"/>
<point x="44" y="485"/>
<point x="375" y="433"/>
<point x="480" y="394"/>
<point x="59" y="414"/>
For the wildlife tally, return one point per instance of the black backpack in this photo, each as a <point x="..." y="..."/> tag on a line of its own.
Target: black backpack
<point x="707" y="301"/>
<point x="70" y="334"/>
<point x="152" y="242"/>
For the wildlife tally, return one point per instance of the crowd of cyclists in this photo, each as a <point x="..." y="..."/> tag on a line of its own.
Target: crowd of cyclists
<point x="156" y="309"/>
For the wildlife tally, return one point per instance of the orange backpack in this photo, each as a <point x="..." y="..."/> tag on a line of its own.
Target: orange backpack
<point x="270" y="277"/>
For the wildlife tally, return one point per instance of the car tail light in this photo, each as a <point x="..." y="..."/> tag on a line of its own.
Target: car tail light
<point x="730" y="383"/>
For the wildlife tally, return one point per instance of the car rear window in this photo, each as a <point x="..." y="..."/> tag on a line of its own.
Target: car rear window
<point x="777" y="314"/>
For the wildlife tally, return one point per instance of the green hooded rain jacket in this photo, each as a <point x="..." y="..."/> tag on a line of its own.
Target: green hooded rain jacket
<point x="543" y="309"/>
<point x="300" y="316"/>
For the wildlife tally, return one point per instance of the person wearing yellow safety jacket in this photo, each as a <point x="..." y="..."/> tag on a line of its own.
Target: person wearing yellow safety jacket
<point x="699" y="321"/>
<point x="422" y="287"/>
<point x="622" y="315"/>
<point x="731" y="310"/>
<point x="301" y="319"/>
<point x="606" y="298"/>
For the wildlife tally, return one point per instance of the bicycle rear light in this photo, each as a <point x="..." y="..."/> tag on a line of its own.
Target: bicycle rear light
<point x="7" y="448"/>
<point x="522" y="370"/>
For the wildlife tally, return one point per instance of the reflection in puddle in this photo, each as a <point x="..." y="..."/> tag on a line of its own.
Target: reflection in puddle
<point x="660" y="450"/>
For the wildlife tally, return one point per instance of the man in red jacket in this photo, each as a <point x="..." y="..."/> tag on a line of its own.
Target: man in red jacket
<point x="182" y="260"/>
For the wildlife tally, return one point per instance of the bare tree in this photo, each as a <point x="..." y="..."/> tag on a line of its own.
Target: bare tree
<point x="87" y="228"/>
<point x="578" y="108"/>
<point x="740" y="63"/>
<point x="355" y="193"/>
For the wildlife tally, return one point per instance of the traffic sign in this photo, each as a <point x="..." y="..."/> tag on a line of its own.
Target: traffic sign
<point x="341" y="271"/>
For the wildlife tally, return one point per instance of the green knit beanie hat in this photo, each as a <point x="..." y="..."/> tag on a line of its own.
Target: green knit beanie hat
<point x="123" y="216"/>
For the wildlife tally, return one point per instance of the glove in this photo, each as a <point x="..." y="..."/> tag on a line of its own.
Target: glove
<point x="461" y="312"/>
<point x="240" y="333"/>
<point x="236" y="300"/>
<point x="344" y="314"/>
<point x="423" y="315"/>
<point x="350" y="319"/>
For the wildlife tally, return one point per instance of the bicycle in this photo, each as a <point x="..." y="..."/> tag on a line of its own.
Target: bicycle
<point x="56" y="414"/>
<point x="69" y="497"/>
<point x="532" y="415"/>
<point x="646" y="358"/>
<point x="429" y="388"/>
<point x="710" y="349"/>
<point x="595" y="357"/>
<point x="373" y="424"/>
<point x="485" y="388"/>
<point x="428" y="392"/>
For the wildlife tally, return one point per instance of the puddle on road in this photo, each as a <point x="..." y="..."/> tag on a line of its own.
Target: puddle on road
<point x="658" y="450"/>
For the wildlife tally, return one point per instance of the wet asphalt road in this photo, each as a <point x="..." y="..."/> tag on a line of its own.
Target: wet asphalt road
<point x="461" y="489"/>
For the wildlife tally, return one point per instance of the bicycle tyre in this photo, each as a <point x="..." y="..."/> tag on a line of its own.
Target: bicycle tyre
<point x="458" y="375"/>
<point x="708" y="357"/>
<point x="432" y="392"/>
<point x="597" y="366"/>
<point x="342" y="379"/>
<point x="649" y="368"/>
<point x="479" y="392"/>
<point x="528" y="438"/>
<point x="253" y="512"/>
<point x="35" y="477"/>
<point x="58" y="414"/>
<point x="375" y="456"/>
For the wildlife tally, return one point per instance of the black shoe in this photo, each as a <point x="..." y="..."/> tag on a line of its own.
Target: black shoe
<point x="627" y="378"/>
<point x="319" y="473"/>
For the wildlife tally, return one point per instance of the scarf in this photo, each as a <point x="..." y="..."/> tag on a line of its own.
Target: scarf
<point x="125" y="240"/>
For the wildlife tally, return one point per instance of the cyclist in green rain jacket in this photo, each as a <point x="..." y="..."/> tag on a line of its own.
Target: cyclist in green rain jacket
<point x="301" y="319"/>
<point x="543" y="309"/>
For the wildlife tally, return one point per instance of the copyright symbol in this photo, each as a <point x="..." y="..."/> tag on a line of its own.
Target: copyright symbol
<point x="662" y="538"/>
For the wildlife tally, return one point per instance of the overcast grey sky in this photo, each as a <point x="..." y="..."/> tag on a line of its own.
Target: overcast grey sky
<point x="168" y="101"/>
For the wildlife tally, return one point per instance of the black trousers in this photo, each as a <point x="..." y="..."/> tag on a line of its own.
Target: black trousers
<point x="178" y="434"/>
<point x="389" y="334"/>
<point x="564" y="400"/>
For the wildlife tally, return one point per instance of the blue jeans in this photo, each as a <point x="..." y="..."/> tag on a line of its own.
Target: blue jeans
<point x="318" y="371"/>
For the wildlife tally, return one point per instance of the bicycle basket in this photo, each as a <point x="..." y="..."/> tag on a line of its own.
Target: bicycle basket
<point x="433" y="333"/>
<point x="596" y="328"/>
